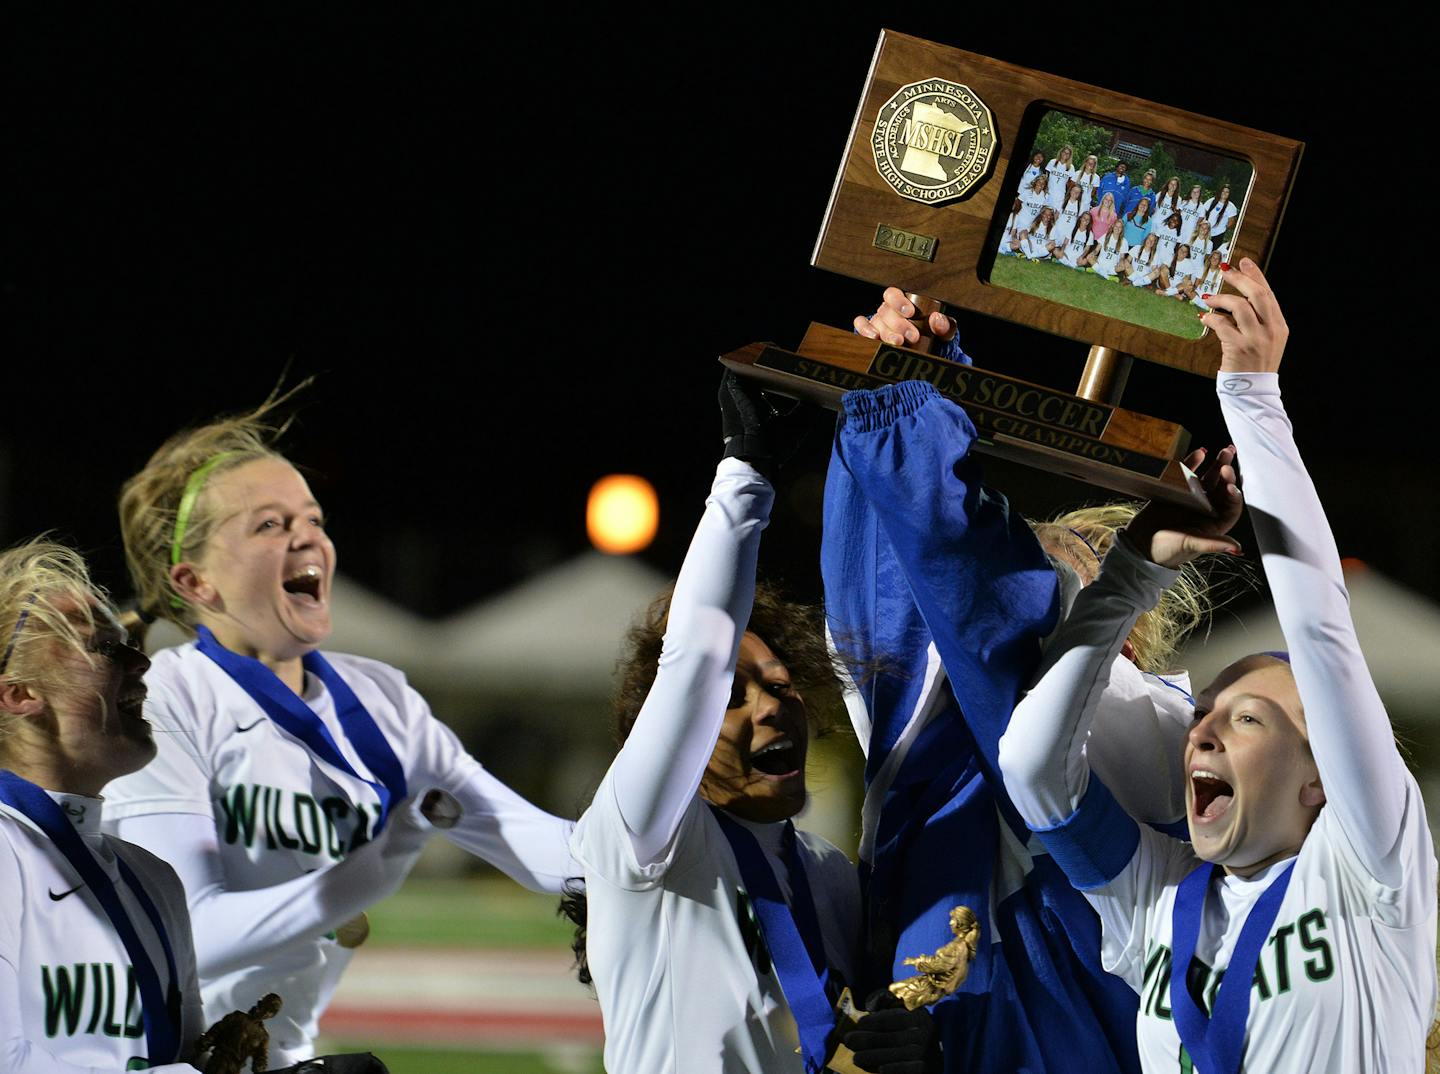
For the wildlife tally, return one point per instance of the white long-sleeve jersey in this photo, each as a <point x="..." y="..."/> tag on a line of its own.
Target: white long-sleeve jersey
<point x="69" y="1003"/>
<point x="273" y="844"/>
<point x="682" y="973"/>
<point x="1346" y="982"/>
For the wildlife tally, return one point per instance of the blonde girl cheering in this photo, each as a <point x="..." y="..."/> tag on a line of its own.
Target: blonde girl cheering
<point x="278" y="765"/>
<point x="1295" y="931"/>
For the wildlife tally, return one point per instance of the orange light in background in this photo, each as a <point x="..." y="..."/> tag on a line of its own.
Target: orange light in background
<point x="622" y="514"/>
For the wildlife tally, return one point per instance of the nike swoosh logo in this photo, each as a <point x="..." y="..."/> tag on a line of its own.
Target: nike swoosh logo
<point x="72" y="891"/>
<point x="241" y="730"/>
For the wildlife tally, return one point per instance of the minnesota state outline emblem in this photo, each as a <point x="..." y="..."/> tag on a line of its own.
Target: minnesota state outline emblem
<point x="933" y="140"/>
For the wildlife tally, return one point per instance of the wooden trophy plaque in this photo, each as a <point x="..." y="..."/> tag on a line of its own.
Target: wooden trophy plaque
<point x="941" y="147"/>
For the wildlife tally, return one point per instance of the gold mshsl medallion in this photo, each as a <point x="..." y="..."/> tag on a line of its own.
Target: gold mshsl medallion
<point x="933" y="140"/>
<point x="354" y="932"/>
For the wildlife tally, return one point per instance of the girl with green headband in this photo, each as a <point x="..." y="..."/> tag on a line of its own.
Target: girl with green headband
<point x="281" y="764"/>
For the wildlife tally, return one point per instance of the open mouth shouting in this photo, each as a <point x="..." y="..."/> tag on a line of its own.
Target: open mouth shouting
<point x="780" y="759"/>
<point x="307" y="585"/>
<point x="1211" y="796"/>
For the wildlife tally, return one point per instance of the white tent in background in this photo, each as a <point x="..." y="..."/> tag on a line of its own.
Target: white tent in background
<point x="559" y="632"/>
<point x="1399" y="634"/>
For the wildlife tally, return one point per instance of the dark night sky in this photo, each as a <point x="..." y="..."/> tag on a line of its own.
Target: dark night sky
<point x="511" y="251"/>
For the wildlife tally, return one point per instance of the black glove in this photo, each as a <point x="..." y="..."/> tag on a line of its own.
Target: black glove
<point x="349" y="1063"/>
<point x="892" y="1040"/>
<point x="754" y="430"/>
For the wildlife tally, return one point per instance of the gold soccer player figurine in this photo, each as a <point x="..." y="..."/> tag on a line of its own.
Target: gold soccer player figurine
<point x="240" y="1036"/>
<point x="945" y="970"/>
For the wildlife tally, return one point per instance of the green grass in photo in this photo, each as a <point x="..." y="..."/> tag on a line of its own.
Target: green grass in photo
<point x="1087" y="291"/>
<point x="468" y="912"/>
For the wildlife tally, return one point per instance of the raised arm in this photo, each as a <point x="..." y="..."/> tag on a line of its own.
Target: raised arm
<point x="874" y="625"/>
<point x="1043" y="753"/>
<point x="974" y="570"/>
<point x="658" y="771"/>
<point x="1361" y="769"/>
<point x="907" y="518"/>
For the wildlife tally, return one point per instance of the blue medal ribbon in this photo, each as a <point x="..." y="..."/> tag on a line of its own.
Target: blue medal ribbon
<point x="160" y="1008"/>
<point x="1217" y="1044"/>
<point x="792" y="935"/>
<point x="290" y="712"/>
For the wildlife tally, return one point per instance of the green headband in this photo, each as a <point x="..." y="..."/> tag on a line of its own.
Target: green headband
<point x="193" y="488"/>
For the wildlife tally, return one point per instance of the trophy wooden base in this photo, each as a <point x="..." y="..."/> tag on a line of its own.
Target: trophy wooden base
<point x="1092" y="441"/>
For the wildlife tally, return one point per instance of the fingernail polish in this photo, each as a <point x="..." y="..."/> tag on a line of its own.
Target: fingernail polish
<point x="1225" y="266"/>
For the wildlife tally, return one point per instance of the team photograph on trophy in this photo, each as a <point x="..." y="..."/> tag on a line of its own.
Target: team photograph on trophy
<point x="1159" y="218"/>
<point x="867" y="550"/>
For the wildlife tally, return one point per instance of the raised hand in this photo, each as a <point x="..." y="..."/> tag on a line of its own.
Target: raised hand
<point x="1172" y="536"/>
<point x="891" y="322"/>
<point x="755" y="429"/>
<point x="1251" y="329"/>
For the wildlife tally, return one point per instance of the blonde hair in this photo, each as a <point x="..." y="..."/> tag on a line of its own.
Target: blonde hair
<point x="150" y="501"/>
<point x="45" y="594"/>
<point x="1082" y="537"/>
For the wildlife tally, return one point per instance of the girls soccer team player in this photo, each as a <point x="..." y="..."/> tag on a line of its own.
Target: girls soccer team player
<point x="285" y="780"/>
<point x="712" y="928"/>
<point x="96" y="966"/>
<point x="1293" y="931"/>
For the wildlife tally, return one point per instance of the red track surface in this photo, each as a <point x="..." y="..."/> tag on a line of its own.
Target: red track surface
<point x="452" y="1027"/>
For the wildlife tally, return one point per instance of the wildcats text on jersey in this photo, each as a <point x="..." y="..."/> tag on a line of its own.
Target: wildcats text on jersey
<point x="292" y="820"/>
<point x="1299" y="950"/>
<point x="84" y="994"/>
